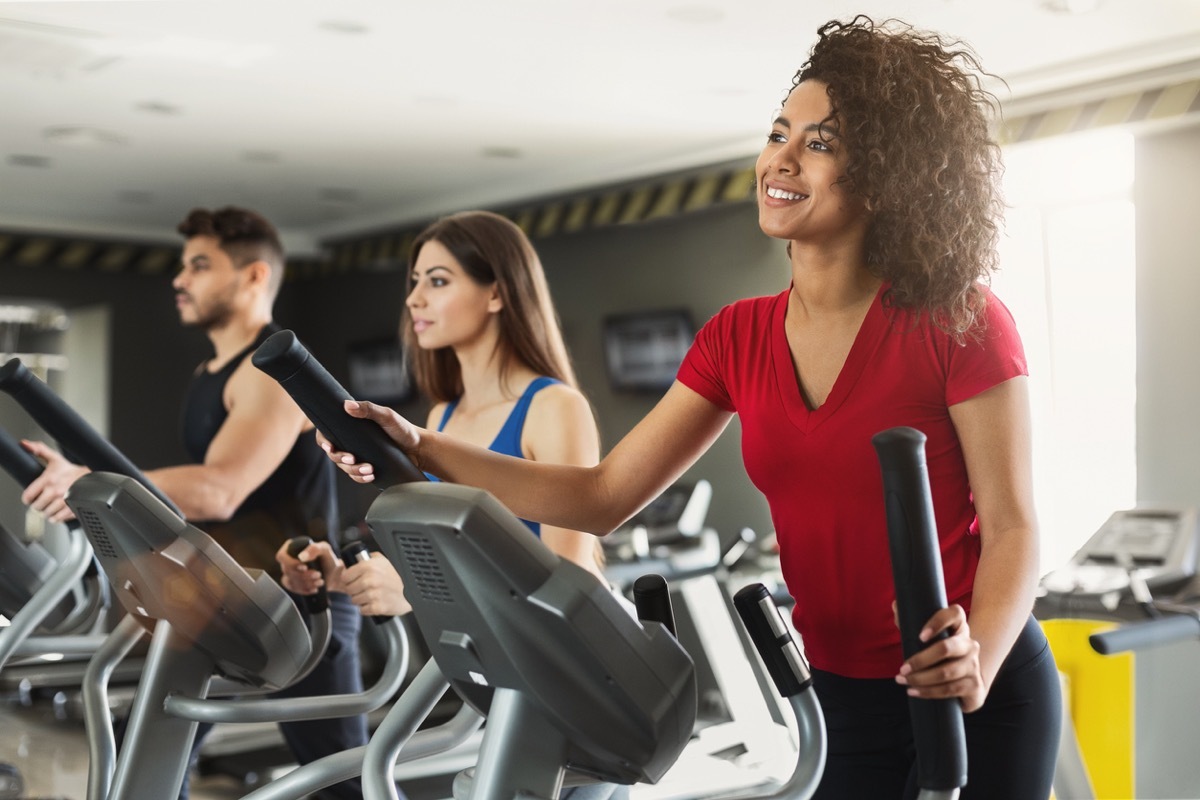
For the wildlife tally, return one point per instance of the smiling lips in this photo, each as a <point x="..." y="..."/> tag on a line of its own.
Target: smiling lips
<point x="783" y="194"/>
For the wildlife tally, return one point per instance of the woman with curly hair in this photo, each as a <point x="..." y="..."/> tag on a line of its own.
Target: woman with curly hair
<point x="880" y="174"/>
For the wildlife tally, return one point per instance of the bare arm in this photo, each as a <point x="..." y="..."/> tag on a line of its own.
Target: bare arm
<point x="994" y="428"/>
<point x="261" y="427"/>
<point x="595" y="499"/>
<point x="560" y="430"/>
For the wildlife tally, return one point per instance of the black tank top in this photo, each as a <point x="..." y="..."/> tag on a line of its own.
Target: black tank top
<point x="298" y="499"/>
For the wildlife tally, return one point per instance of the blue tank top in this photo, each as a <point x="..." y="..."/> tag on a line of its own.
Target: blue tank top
<point x="508" y="440"/>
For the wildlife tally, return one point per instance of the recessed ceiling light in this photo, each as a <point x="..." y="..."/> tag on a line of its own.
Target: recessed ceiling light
<point x="500" y="152"/>
<point x="158" y="107"/>
<point x="26" y="160"/>
<point x="696" y="13"/>
<point x="346" y="26"/>
<point x="83" y="136"/>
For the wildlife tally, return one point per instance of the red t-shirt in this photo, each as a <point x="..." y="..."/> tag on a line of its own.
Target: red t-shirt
<point x="820" y="473"/>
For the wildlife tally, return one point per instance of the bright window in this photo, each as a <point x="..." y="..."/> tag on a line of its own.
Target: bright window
<point x="1067" y="274"/>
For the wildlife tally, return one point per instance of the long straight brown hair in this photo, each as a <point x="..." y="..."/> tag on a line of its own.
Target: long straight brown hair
<point x="492" y="250"/>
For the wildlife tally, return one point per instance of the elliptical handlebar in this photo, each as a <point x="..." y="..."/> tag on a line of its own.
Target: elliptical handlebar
<point x="17" y="462"/>
<point x="785" y="663"/>
<point x="73" y="433"/>
<point x="321" y="397"/>
<point x="920" y="592"/>
<point x="652" y="599"/>
<point x="317" y="603"/>
<point x="1142" y="635"/>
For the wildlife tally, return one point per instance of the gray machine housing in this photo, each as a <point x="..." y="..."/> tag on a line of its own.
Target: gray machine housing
<point x="621" y="696"/>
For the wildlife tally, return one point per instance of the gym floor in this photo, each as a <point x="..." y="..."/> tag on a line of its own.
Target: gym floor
<point x="52" y="756"/>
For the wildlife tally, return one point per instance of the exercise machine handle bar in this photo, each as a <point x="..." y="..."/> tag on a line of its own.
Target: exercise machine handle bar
<point x="321" y="398"/>
<point x="793" y="679"/>
<point x="317" y="603"/>
<point x="68" y="428"/>
<point x="1143" y="635"/>
<point x="920" y="592"/>
<point x="652" y="599"/>
<point x="18" y="462"/>
<point x="356" y="552"/>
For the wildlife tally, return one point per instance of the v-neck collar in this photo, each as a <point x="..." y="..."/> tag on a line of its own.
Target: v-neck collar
<point x="866" y="341"/>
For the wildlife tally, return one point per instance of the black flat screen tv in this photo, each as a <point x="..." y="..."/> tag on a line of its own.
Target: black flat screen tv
<point x="643" y="349"/>
<point x="378" y="372"/>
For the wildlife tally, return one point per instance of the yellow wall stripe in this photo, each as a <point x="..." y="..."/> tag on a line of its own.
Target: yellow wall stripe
<point x="636" y="205"/>
<point x="703" y="193"/>
<point x="76" y="255"/>
<point x="1175" y="100"/>
<point x="155" y="262"/>
<point x="739" y="186"/>
<point x="657" y="198"/>
<point x="547" y="224"/>
<point x="669" y="201"/>
<point x="115" y="258"/>
<point x="606" y="209"/>
<point x="577" y="216"/>
<point x="34" y="252"/>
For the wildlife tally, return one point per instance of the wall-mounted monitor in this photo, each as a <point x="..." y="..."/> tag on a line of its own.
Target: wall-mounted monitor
<point x="643" y="350"/>
<point x="378" y="372"/>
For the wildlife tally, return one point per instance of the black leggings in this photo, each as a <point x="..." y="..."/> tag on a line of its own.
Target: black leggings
<point x="1012" y="741"/>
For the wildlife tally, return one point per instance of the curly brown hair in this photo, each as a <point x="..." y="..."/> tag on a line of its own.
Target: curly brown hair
<point x="912" y="113"/>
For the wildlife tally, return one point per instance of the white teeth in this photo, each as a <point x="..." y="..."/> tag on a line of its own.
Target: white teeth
<point x="780" y="194"/>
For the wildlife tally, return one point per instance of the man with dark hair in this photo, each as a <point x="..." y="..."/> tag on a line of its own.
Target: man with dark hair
<point x="258" y="478"/>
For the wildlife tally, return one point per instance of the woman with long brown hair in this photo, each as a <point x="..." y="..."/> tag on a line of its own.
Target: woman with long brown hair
<point x="485" y="345"/>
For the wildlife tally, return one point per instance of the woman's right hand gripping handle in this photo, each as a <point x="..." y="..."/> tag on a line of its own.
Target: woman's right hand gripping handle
<point x="920" y="592"/>
<point x="399" y="430"/>
<point x="343" y="424"/>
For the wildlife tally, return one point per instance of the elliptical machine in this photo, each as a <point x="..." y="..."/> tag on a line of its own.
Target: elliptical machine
<point x="205" y="613"/>
<point x="569" y="681"/>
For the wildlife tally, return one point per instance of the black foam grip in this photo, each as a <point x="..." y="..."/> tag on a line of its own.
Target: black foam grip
<point x="920" y="593"/>
<point x="72" y="432"/>
<point x="772" y="639"/>
<point x="652" y="599"/>
<point x="354" y="553"/>
<point x="1142" y="635"/>
<point x="321" y="398"/>
<point x="17" y="461"/>
<point x="317" y="603"/>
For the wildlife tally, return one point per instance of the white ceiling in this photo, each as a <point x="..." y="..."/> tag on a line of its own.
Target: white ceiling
<point x="334" y="118"/>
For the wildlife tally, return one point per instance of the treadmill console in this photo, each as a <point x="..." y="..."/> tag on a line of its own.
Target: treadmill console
<point x="1159" y="545"/>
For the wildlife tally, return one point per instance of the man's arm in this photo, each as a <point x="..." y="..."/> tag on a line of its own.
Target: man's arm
<point x="258" y="433"/>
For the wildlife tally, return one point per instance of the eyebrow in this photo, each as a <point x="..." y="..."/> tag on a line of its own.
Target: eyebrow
<point x="435" y="267"/>
<point x="812" y="127"/>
